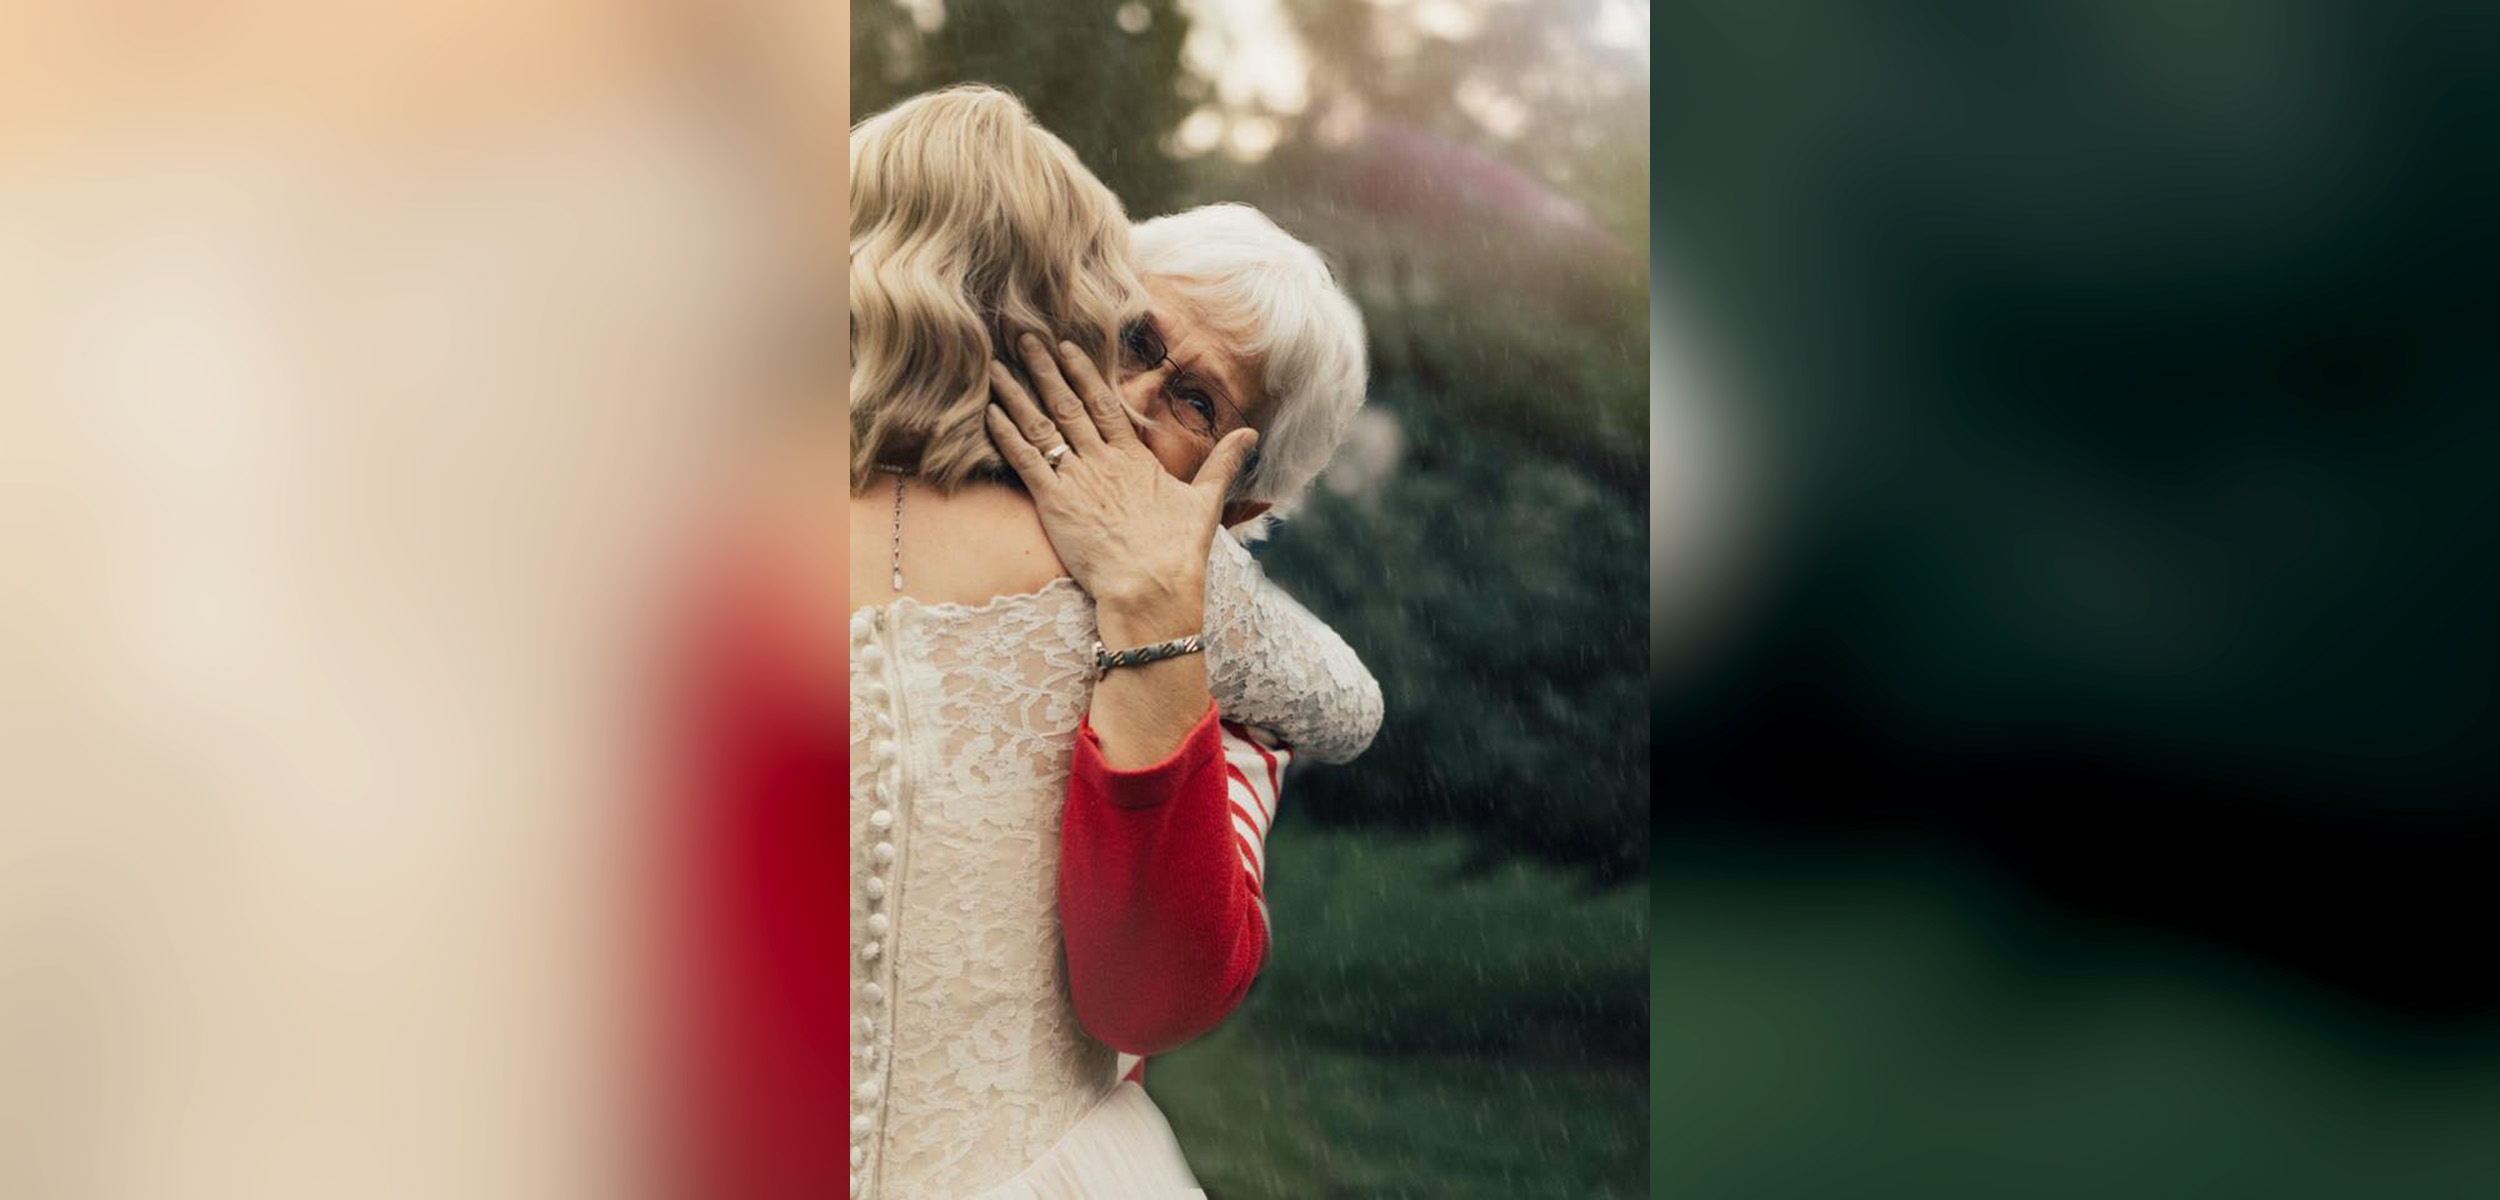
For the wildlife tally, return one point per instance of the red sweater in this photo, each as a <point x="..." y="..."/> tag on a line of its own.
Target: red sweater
<point x="1160" y="884"/>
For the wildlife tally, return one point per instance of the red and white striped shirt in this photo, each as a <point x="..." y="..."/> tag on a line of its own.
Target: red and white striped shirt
<point x="1162" y="883"/>
<point x="1254" y="769"/>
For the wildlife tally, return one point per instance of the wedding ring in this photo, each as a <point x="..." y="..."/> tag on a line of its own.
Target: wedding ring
<point x="1055" y="453"/>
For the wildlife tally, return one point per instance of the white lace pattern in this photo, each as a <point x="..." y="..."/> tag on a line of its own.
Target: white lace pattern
<point x="968" y="1064"/>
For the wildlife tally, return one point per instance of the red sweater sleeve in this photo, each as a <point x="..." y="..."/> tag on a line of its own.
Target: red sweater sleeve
<point x="1162" y="920"/>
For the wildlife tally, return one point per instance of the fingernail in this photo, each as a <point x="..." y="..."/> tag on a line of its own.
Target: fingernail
<point x="1028" y="341"/>
<point x="1069" y="349"/>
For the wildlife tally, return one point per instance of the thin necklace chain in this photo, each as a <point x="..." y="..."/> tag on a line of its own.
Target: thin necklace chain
<point x="899" y="476"/>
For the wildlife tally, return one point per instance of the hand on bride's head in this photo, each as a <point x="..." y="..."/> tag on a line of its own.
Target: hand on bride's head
<point x="1129" y="531"/>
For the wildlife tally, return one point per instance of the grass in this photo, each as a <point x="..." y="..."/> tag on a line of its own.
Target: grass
<point x="1888" y="1017"/>
<point x="1422" y="1031"/>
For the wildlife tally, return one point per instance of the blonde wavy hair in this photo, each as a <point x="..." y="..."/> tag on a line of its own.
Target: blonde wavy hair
<point x="969" y="222"/>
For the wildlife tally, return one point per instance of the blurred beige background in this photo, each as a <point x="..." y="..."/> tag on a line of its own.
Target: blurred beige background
<point x="369" y="377"/>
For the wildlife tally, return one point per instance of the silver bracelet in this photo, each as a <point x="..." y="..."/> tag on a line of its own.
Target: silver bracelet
<point x="1105" y="661"/>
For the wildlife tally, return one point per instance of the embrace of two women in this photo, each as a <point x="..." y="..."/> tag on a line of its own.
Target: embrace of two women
<point x="1072" y="691"/>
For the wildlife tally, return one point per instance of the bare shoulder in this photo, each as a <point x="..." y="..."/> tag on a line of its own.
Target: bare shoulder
<point x="980" y="543"/>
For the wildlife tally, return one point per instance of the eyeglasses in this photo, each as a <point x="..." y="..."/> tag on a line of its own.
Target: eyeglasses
<point x="1192" y="400"/>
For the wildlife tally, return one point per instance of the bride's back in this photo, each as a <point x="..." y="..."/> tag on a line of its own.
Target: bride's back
<point x="971" y="546"/>
<point x="966" y="690"/>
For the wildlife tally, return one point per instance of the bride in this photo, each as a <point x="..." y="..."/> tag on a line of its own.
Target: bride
<point x="997" y="607"/>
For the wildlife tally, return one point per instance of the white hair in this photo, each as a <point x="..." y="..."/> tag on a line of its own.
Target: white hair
<point x="1273" y="301"/>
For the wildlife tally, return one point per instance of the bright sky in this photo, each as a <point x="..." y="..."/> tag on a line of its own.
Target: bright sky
<point x="1249" y="50"/>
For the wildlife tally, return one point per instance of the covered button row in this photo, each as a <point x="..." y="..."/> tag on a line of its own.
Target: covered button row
<point x="874" y="886"/>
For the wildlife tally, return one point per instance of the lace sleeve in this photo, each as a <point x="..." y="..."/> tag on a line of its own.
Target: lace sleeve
<point x="1272" y="664"/>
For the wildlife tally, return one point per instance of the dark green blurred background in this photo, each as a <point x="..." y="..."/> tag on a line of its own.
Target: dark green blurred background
<point x="2090" y="792"/>
<point x="1456" y="1002"/>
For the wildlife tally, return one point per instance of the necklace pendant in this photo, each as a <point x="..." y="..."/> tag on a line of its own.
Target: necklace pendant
<point x="898" y="581"/>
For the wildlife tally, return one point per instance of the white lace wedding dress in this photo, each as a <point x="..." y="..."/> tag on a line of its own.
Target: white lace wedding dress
<point x="970" y="1076"/>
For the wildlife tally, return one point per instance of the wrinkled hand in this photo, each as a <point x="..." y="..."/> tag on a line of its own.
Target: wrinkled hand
<point x="1130" y="533"/>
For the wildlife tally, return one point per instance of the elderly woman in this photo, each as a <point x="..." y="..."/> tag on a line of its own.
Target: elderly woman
<point x="1010" y="614"/>
<point x="1162" y="867"/>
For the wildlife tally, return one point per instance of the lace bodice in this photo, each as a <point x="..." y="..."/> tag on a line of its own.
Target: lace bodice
<point x="967" y="1059"/>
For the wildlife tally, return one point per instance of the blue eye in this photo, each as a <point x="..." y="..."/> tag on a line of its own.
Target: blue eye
<point x="1201" y="407"/>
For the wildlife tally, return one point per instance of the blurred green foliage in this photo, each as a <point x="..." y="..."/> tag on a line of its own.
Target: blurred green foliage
<point x="1497" y="595"/>
<point x="1107" y="92"/>
<point x="2116" y="366"/>
<point x="1889" y="1017"/>
<point x="1425" y="1031"/>
<point x="2124" y="376"/>
<point x="1482" y="192"/>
